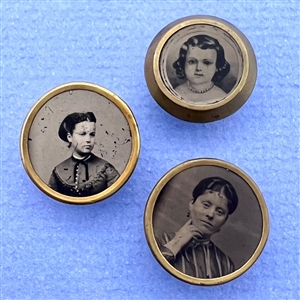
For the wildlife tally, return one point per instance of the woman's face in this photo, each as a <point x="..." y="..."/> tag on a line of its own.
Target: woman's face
<point x="200" y="65"/>
<point x="83" y="138"/>
<point x="209" y="213"/>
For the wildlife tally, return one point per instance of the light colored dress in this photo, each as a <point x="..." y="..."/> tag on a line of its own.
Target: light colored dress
<point x="212" y="96"/>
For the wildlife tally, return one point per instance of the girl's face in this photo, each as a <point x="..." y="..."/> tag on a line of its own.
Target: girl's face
<point x="209" y="213"/>
<point x="83" y="138"/>
<point x="200" y="65"/>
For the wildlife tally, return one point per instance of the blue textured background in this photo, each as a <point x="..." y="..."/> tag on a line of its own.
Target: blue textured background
<point x="52" y="250"/>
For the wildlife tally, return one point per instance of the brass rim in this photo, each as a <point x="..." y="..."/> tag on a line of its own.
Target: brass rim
<point x="192" y="22"/>
<point x="148" y="221"/>
<point x="124" y="108"/>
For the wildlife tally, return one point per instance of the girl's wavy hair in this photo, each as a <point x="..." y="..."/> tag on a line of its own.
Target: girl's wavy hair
<point x="203" y="42"/>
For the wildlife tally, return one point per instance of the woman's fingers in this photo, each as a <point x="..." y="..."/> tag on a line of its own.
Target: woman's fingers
<point x="188" y="231"/>
<point x="183" y="236"/>
<point x="189" y="227"/>
<point x="198" y="234"/>
<point x="184" y="231"/>
<point x="195" y="231"/>
<point x="184" y="228"/>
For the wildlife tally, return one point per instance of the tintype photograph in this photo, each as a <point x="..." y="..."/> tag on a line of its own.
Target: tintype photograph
<point x="201" y="64"/>
<point x="79" y="143"/>
<point x="207" y="222"/>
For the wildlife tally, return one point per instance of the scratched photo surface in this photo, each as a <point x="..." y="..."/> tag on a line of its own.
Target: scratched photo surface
<point x="112" y="141"/>
<point x="232" y="54"/>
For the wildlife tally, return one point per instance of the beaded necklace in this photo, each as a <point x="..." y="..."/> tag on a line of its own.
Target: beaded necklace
<point x="197" y="91"/>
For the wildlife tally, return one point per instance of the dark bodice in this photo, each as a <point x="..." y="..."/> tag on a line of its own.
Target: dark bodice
<point x="81" y="178"/>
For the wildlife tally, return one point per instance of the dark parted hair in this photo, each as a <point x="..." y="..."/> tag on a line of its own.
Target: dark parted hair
<point x="69" y="122"/>
<point x="203" y="42"/>
<point x="217" y="184"/>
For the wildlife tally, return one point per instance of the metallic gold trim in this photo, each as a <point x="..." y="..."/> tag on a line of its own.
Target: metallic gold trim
<point x="148" y="221"/>
<point x="200" y="113"/>
<point x="134" y="133"/>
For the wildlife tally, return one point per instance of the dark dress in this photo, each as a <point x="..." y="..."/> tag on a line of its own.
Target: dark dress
<point x="81" y="178"/>
<point x="200" y="259"/>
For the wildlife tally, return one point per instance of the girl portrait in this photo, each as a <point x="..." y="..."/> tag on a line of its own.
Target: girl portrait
<point x="201" y="64"/>
<point x="83" y="173"/>
<point x="80" y="144"/>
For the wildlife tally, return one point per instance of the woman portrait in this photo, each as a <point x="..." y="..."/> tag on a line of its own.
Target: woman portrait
<point x="202" y="66"/>
<point x="205" y="220"/>
<point x="190" y="249"/>
<point x="83" y="173"/>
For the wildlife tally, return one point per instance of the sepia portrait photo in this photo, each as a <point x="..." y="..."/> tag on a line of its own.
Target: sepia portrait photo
<point x="80" y="143"/>
<point x="201" y="64"/>
<point x="207" y="222"/>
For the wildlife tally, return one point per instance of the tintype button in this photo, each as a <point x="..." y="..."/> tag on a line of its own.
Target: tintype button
<point x="200" y="68"/>
<point x="206" y="222"/>
<point x="80" y="143"/>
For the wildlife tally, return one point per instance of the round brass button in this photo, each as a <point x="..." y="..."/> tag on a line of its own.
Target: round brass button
<point x="206" y="222"/>
<point x="80" y="143"/>
<point x="200" y="68"/>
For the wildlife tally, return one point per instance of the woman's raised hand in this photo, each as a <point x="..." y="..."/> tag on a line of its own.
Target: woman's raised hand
<point x="183" y="236"/>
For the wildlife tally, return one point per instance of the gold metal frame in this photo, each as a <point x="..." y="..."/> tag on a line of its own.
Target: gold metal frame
<point x="200" y="113"/>
<point x="134" y="133"/>
<point x="148" y="221"/>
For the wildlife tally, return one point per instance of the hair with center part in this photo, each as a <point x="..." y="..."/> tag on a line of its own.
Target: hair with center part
<point x="203" y="42"/>
<point x="220" y="185"/>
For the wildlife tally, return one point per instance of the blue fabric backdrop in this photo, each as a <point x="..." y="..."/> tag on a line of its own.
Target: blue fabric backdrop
<point x="52" y="250"/>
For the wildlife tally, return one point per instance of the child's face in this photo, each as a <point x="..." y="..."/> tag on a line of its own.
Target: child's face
<point x="200" y="65"/>
<point x="83" y="138"/>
